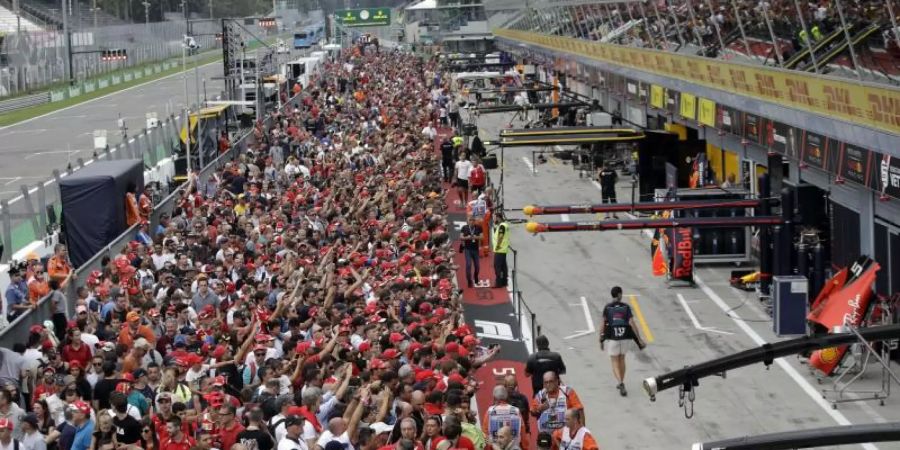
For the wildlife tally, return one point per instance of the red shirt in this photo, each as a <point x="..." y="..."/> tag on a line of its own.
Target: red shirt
<point x="82" y="355"/>
<point x="185" y="444"/>
<point x="228" y="436"/>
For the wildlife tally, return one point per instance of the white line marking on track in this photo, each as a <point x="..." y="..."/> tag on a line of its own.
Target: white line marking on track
<point x="11" y="181"/>
<point x="587" y="317"/>
<point x="99" y="98"/>
<point x="564" y="217"/>
<point x="693" y="317"/>
<point x="529" y="164"/>
<point x="811" y="391"/>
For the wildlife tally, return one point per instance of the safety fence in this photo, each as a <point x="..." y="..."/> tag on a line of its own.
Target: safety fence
<point x="37" y="59"/>
<point x="525" y="317"/>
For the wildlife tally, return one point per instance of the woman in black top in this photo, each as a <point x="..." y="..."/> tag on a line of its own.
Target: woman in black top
<point x="149" y="439"/>
<point x="42" y="411"/>
<point x="104" y="437"/>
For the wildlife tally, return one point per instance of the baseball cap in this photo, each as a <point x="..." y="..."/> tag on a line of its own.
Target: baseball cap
<point x="80" y="406"/>
<point x="132" y="317"/>
<point x="219" y="381"/>
<point x="293" y="420"/>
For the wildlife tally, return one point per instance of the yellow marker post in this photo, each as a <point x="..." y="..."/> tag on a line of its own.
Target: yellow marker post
<point x="648" y="336"/>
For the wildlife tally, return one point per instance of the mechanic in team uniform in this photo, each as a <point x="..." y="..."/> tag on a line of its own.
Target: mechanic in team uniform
<point x="541" y="362"/>
<point x="607" y="178"/>
<point x="617" y="326"/>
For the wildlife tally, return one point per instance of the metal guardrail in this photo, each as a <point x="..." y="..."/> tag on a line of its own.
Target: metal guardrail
<point x="520" y="308"/>
<point x="25" y="101"/>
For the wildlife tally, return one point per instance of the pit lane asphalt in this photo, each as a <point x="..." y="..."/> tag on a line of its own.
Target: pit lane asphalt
<point x="557" y="270"/>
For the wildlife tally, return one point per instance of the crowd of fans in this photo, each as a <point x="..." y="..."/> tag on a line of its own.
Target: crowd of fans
<point x="302" y="297"/>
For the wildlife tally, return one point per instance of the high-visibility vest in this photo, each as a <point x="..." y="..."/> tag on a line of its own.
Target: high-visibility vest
<point x="554" y="417"/>
<point x="501" y="243"/>
<point x="504" y="415"/>
<point x="457" y="141"/>
<point x="816" y="33"/>
<point x="804" y="38"/>
<point x="567" y="442"/>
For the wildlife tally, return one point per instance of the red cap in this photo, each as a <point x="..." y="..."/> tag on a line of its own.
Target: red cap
<point x="36" y="329"/>
<point x="455" y="377"/>
<point x="470" y="340"/>
<point x="396" y="337"/>
<point x="376" y="363"/>
<point x="219" y="381"/>
<point x="364" y="346"/>
<point x="390" y="354"/>
<point x="128" y="377"/>
<point x="75" y="364"/>
<point x="425" y="308"/>
<point x="303" y="347"/>
<point x="424" y="375"/>
<point x="219" y="352"/>
<point x="260" y="347"/>
<point x="123" y="388"/>
<point x="452" y="347"/>
<point x="262" y="337"/>
<point x="82" y="407"/>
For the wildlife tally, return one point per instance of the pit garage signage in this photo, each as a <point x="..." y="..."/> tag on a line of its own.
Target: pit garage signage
<point x="374" y="17"/>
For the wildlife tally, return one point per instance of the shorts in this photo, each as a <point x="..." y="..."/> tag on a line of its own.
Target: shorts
<point x="618" y="347"/>
<point x="462" y="184"/>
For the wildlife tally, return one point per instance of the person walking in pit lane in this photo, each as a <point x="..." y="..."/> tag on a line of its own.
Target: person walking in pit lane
<point x="617" y="326"/>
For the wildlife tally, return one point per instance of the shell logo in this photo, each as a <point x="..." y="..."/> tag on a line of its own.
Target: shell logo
<point x="829" y="355"/>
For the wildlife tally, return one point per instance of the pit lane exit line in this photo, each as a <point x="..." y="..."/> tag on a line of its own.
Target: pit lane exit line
<point x="587" y="317"/>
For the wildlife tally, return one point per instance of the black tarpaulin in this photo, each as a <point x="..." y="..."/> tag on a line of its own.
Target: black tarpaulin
<point x="93" y="203"/>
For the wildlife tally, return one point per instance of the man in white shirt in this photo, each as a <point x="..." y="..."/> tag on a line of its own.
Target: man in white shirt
<point x="429" y="132"/>
<point x="292" y="441"/>
<point x="463" y="169"/>
<point x="337" y="431"/>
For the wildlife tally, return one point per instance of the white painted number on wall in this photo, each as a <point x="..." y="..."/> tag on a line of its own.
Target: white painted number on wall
<point x="458" y="224"/>
<point x="498" y="372"/>
<point x="495" y="330"/>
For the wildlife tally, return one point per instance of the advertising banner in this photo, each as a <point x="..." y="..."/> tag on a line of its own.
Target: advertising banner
<point x="657" y="97"/>
<point x="729" y="120"/>
<point x="688" y="108"/>
<point x="782" y="138"/>
<point x="814" y="150"/>
<point x="706" y="112"/>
